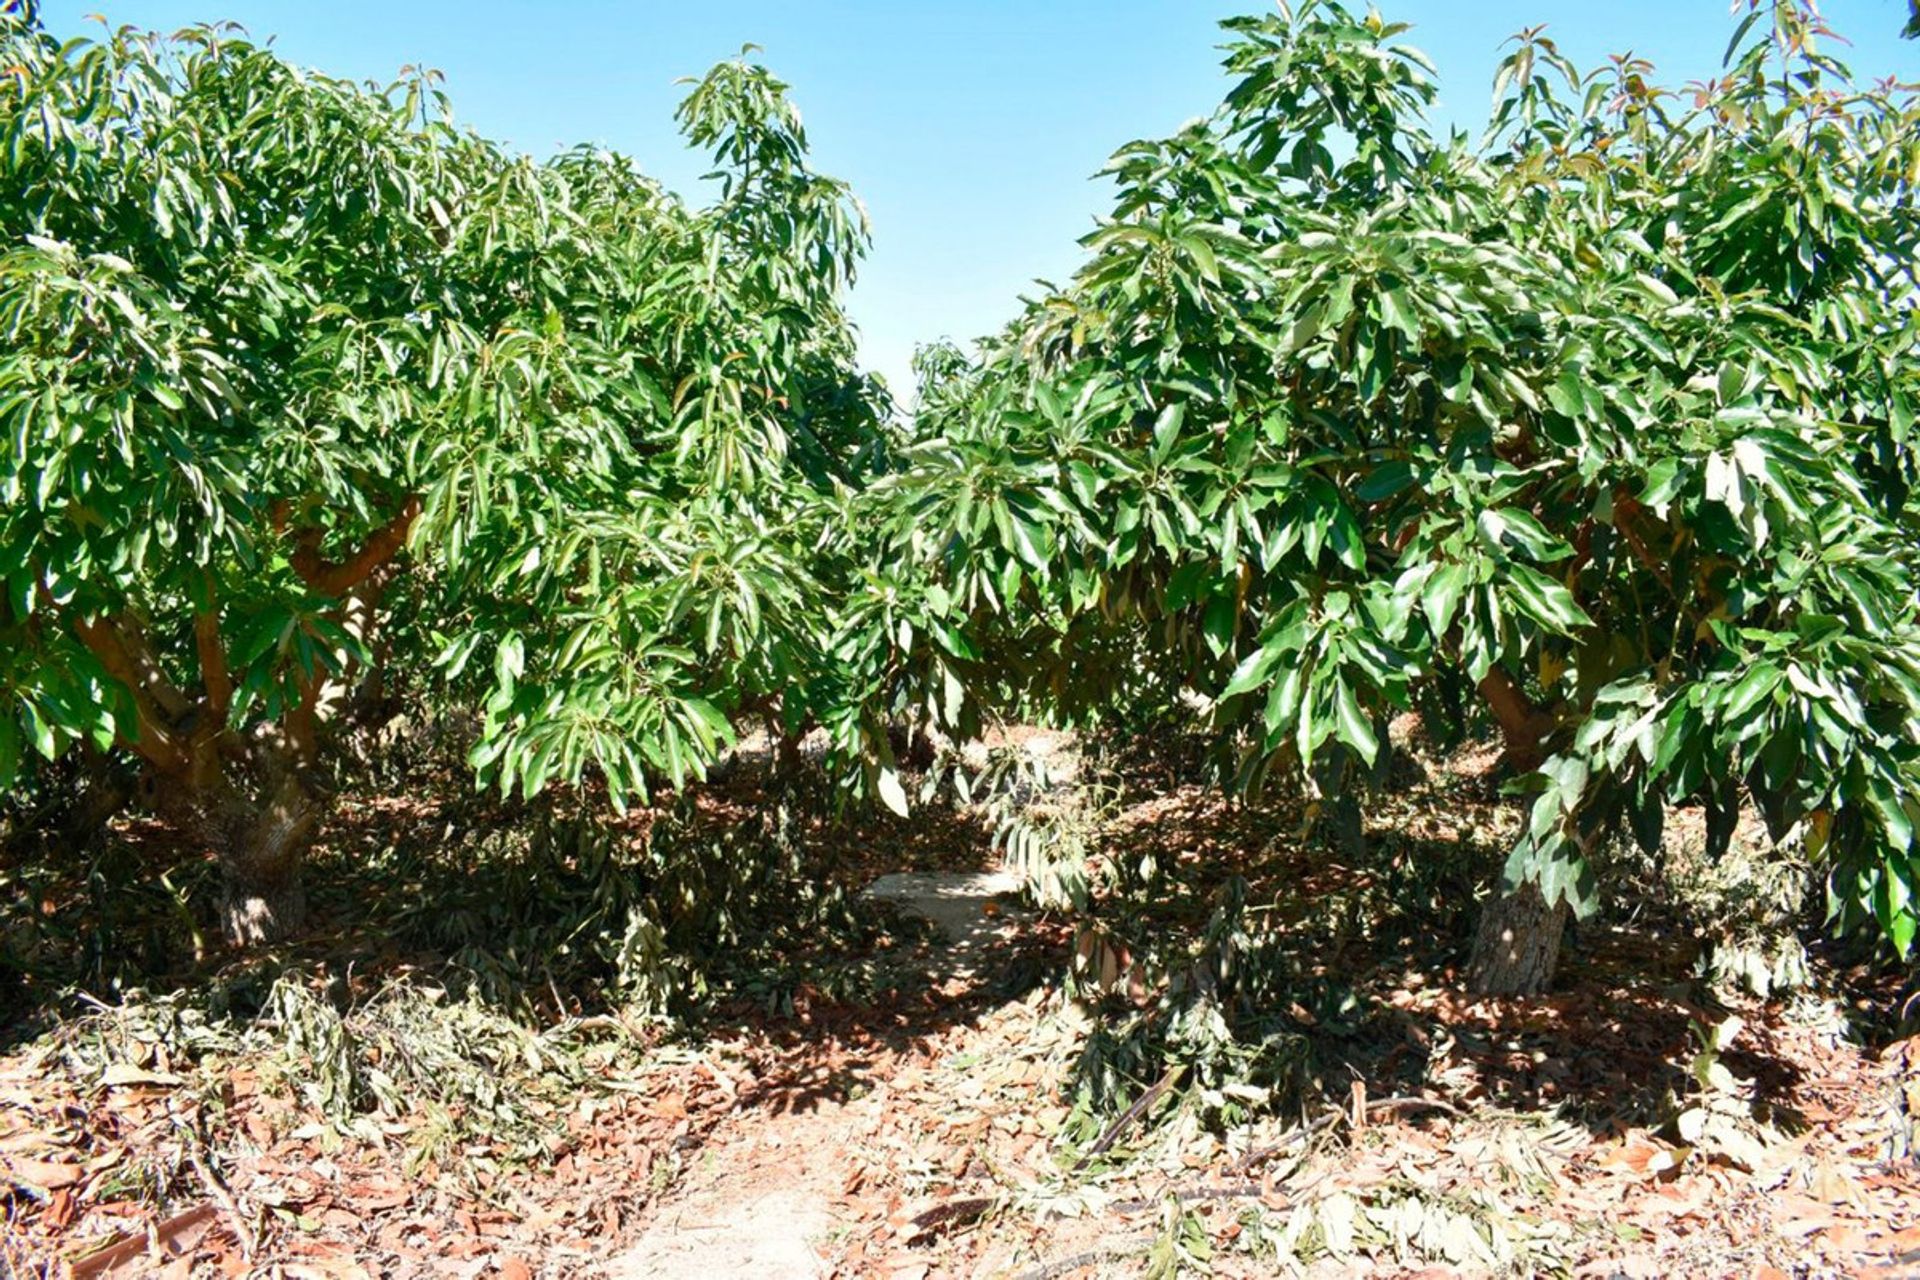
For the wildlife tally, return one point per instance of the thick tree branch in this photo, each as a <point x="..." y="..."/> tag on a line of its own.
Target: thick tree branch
<point x="1524" y="725"/>
<point x="331" y="578"/>
<point x="302" y="720"/>
<point x="155" y="739"/>
<point x="1582" y="547"/>
<point x="152" y="677"/>
<point x="324" y="694"/>
<point x="215" y="679"/>
<point x="216" y="690"/>
<point x="1625" y="508"/>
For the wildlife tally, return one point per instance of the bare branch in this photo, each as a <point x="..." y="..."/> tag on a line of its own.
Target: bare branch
<point x="155" y="740"/>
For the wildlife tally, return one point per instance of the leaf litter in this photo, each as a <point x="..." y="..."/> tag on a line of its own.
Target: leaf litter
<point x="1629" y="1124"/>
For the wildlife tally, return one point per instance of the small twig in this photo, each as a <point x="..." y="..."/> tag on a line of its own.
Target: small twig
<point x="1298" y="1136"/>
<point x="1240" y="1191"/>
<point x="1417" y="1104"/>
<point x="1132" y="1113"/>
<point x="216" y="1188"/>
<point x="1332" y="1118"/>
<point x="966" y="1209"/>
<point x="1067" y="1266"/>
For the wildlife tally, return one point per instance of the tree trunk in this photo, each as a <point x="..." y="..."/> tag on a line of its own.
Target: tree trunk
<point x="1518" y="944"/>
<point x="1337" y="780"/>
<point x="789" y="754"/>
<point x="261" y="845"/>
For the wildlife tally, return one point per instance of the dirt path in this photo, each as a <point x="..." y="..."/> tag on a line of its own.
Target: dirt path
<point x="765" y="1196"/>
<point x="756" y="1205"/>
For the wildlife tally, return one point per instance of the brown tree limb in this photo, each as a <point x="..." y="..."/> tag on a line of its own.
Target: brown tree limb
<point x="302" y="720"/>
<point x="1582" y="547"/>
<point x="154" y="740"/>
<point x="336" y="578"/>
<point x="215" y="679"/>
<point x="1625" y="508"/>
<point x="1523" y="725"/>
<point x="323" y="694"/>
<point x="153" y="678"/>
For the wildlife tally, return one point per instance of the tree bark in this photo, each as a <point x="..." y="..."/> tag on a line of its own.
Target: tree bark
<point x="1518" y="944"/>
<point x="1523" y="726"/>
<point x="250" y="798"/>
<point x="261" y="846"/>
<point x="1337" y="780"/>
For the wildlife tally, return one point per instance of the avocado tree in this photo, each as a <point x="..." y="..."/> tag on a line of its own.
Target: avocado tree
<point x="1598" y="428"/>
<point x="299" y="378"/>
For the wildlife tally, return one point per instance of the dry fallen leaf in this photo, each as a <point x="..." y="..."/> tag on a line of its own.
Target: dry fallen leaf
<point x="122" y="1074"/>
<point x="1642" y="1155"/>
<point x="48" y="1175"/>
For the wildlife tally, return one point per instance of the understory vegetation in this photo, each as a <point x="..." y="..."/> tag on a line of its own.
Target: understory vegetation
<point x="1432" y="624"/>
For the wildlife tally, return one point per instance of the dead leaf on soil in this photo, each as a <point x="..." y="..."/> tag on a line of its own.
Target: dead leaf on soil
<point x="124" y="1074"/>
<point x="46" y="1175"/>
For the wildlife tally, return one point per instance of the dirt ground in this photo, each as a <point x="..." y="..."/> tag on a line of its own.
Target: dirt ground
<point x="951" y="1163"/>
<point x="935" y="1130"/>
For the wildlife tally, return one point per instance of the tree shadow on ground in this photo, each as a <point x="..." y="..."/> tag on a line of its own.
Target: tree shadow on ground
<point x="530" y="908"/>
<point x="480" y="998"/>
<point x="1330" y="966"/>
<point x="738" y="899"/>
<point x="818" y="1052"/>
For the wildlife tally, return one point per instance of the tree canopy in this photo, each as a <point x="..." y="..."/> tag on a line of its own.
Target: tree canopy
<point x="273" y="338"/>
<point x="1599" y="425"/>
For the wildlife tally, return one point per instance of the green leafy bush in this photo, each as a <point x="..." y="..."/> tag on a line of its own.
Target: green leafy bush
<point x="303" y="382"/>
<point x="1602" y="423"/>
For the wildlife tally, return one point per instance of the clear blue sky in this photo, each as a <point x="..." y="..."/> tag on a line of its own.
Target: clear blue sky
<point x="969" y="128"/>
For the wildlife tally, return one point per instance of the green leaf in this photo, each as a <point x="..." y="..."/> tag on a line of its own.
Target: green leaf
<point x="1351" y="724"/>
<point x="1252" y="671"/>
<point x="1384" y="481"/>
<point x="1283" y="704"/>
<point x="1544" y="600"/>
<point x="9" y="750"/>
<point x="1440" y="597"/>
<point x="1397" y="313"/>
<point x="892" y="794"/>
<point x="509" y="659"/>
<point x="1759" y="682"/>
<point x="1166" y="429"/>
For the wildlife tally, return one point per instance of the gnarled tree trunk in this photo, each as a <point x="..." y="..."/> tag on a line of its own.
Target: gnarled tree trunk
<point x="263" y="854"/>
<point x="260" y="842"/>
<point x="248" y="796"/>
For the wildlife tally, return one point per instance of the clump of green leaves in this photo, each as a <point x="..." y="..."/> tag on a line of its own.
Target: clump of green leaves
<point x="1749" y="906"/>
<point x="302" y="381"/>
<point x="1720" y="1115"/>
<point x="655" y="923"/>
<point x="1598" y="428"/>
